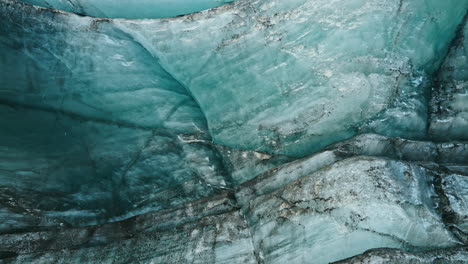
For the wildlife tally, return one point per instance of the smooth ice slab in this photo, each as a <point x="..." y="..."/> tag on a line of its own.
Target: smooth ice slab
<point x="344" y="209"/>
<point x="390" y="256"/>
<point x="292" y="77"/>
<point x="130" y="9"/>
<point x="92" y="126"/>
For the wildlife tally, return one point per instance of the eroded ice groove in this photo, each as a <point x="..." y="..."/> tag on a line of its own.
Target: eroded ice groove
<point x="346" y="208"/>
<point x="457" y="255"/>
<point x="292" y="77"/>
<point x="244" y="165"/>
<point x="207" y="231"/>
<point x="391" y="203"/>
<point x="49" y="238"/>
<point x="93" y="128"/>
<point x="449" y="110"/>
<point x="210" y="241"/>
<point x="62" y="171"/>
<point x="455" y="203"/>
<point x="130" y="9"/>
<point x="452" y="156"/>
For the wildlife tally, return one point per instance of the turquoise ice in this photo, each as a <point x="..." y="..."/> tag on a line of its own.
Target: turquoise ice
<point x="131" y="8"/>
<point x="258" y="131"/>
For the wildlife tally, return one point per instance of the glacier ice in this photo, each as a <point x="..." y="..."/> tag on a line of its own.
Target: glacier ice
<point x="210" y="231"/>
<point x="449" y="113"/>
<point x="130" y="9"/>
<point x="98" y="148"/>
<point x="302" y="131"/>
<point x="358" y="203"/>
<point x="452" y="256"/>
<point x="318" y="69"/>
<point x="455" y="187"/>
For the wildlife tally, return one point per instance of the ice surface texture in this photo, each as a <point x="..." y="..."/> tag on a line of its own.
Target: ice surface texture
<point x="92" y="121"/>
<point x="130" y="9"/>
<point x="206" y="138"/>
<point x="449" y="118"/>
<point x="328" y="70"/>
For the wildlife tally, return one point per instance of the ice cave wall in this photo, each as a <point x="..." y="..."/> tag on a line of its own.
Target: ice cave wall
<point x="178" y="139"/>
<point x="129" y="9"/>
<point x="329" y="70"/>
